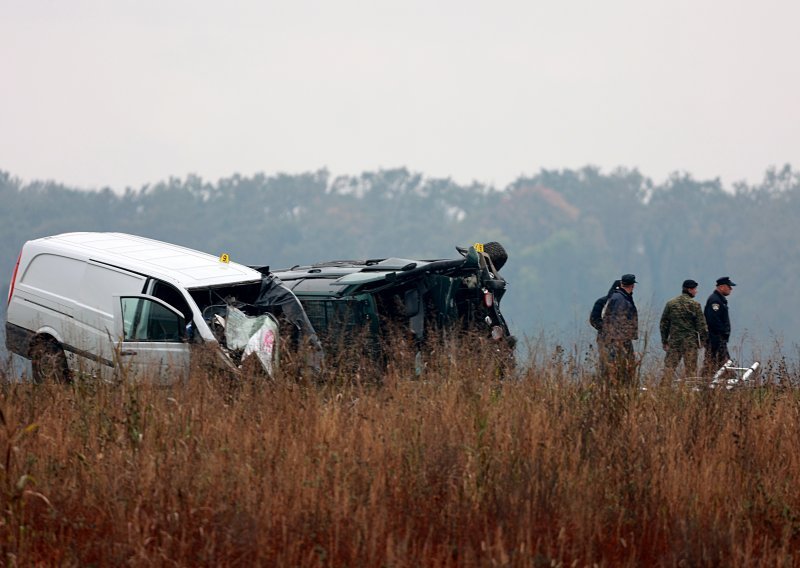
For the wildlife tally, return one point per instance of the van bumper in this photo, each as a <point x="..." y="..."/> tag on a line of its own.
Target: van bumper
<point x="18" y="339"/>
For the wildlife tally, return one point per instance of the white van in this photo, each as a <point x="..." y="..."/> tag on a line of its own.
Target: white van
<point x="118" y="305"/>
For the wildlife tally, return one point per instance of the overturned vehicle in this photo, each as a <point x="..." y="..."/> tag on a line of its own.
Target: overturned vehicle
<point x="371" y="302"/>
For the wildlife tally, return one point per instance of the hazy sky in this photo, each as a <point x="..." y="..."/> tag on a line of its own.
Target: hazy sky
<point x="125" y="92"/>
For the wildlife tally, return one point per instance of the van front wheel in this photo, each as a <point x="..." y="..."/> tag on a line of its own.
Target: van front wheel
<point x="48" y="362"/>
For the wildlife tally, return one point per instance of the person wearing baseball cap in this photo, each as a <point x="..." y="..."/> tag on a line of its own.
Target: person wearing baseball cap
<point x="620" y="328"/>
<point x="719" y="325"/>
<point x="683" y="330"/>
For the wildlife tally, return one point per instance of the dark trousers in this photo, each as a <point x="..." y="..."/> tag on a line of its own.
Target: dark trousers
<point x="716" y="354"/>
<point x="617" y="362"/>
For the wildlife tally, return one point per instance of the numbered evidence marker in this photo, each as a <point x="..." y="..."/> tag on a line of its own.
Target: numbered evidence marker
<point x="225" y="258"/>
<point x="478" y="247"/>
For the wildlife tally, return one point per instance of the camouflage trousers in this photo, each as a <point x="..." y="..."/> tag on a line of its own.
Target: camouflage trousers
<point x="677" y="353"/>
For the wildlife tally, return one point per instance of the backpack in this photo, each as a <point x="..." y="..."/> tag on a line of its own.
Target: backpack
<point x="596" y="317"/>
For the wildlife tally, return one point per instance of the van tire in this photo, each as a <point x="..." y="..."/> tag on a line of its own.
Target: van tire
<point x="48" y="362"/>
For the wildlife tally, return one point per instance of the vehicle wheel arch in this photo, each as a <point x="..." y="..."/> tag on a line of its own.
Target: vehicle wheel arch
<point x="43" y="345"/>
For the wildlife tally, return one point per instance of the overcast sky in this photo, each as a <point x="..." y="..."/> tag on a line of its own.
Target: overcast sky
<point x="125" y="93"/>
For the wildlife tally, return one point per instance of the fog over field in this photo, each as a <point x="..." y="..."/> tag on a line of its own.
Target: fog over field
<point x="128" y="93"/>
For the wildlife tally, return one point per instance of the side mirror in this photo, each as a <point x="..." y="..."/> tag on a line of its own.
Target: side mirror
<point x="188" y="334"/>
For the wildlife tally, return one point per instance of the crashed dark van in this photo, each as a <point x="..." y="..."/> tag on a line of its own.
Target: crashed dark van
<point x="428" y="299"/>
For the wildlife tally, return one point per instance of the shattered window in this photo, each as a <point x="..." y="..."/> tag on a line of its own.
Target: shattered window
<point x="334" y="316"/>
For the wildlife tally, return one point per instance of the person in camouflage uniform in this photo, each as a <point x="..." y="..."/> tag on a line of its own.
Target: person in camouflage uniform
<point x="683" y="329"/>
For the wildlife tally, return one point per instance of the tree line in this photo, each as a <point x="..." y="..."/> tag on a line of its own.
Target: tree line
<point x="568" y="233"/>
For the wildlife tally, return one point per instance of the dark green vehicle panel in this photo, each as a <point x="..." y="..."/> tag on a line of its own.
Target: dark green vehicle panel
<point x="346" y="299"/>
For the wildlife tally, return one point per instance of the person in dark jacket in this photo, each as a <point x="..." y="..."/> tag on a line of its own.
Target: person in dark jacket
<point x="596" y="321"/>
<point x="620" y="328"/>
<point x="719" y="325"/>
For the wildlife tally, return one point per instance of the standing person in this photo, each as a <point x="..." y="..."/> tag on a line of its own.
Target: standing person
<point x="719" y="325"/>
<point x="596" y="321"/>
<point x="683" y="330"/>
<point x="620" y="328"/>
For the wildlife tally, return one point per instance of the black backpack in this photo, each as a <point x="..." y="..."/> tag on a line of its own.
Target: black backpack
<point x="596" y="317"/>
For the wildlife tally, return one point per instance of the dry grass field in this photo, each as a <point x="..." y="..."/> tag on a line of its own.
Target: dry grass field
<point x="454" y="468"/>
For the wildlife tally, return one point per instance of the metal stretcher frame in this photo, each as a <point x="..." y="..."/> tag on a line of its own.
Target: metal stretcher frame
<point x="741" y="375"/>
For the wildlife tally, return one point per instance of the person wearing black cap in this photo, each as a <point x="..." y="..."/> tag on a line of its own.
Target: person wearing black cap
<point x="719" y="325"/>
<point x="683" y="330"/>
<point x="620" y="328"/>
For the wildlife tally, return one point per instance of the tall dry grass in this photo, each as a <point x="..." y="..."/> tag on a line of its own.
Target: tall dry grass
<point x="453" y="468"/>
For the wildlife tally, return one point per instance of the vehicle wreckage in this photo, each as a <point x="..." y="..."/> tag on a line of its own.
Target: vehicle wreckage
<point x="124" y="306"/>
<point x="247" y="322"/>
<point x="112" y="305"/>
<point x="428" y="298"/>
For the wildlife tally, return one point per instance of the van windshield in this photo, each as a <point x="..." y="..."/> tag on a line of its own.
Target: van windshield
<point x="241" y="294"/>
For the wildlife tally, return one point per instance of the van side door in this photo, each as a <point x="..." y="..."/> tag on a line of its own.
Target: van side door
<point x="151" y="340"/>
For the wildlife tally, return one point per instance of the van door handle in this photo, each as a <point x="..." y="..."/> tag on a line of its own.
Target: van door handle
<point x="123" y="353"/>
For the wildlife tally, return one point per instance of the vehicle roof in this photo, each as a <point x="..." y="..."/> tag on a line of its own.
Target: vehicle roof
<point x="338" y="276"/>
<point x="183" y="266"/>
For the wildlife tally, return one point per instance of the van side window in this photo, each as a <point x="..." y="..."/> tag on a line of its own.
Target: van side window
<point x="173" y="297"/>
<point x="146" y="320"/>
<point x="50" y="272"/>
